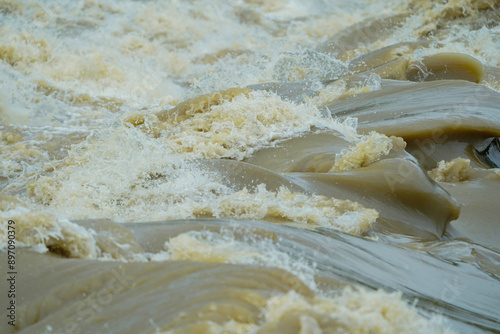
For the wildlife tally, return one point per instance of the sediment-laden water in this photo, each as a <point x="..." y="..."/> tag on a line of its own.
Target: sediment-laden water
<point x="250" y="166"/>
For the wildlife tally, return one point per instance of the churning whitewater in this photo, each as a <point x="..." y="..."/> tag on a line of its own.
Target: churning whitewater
<point x="250" y="166"/>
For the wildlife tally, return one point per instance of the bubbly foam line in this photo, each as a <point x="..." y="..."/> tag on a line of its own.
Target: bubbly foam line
<point x="352" y="311"/>
<point x="236" y="128"/>
<point x="207" y="246"/>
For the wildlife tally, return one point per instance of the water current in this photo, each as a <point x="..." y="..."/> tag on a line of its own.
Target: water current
<point x="250" y="166"/>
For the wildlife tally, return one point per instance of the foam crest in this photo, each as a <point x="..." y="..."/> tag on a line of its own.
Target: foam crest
<point x="236" y="128"/>
<point x="43" y="231"/>
<point x="225" y="247"/>
<point x="312" y="210"/>
<point x="367" y="150"/>
<point x="352" y="311"/>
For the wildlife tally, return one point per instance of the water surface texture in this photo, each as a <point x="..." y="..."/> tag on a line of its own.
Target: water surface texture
<point x="250" y="166"/>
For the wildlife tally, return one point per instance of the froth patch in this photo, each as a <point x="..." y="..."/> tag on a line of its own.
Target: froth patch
<point x="31" y="54"/>
<point x="434" y="17"/>
<point x="235" y="123"/>
<point x="44" y="231"/>
<point x="284" y="205"/>
<point x="15" y="153"/>
<point x="369" y="149"/>
<point x="24" y="49"/>
<point x="200" y="104"/>
<point x="456" y="170"/>
<point x="451" y="9"/>
<point x="91" y="67"/>
<point x="188" y="247"/>
<point x="353" y="311"/>
<point x="10" y="7"/>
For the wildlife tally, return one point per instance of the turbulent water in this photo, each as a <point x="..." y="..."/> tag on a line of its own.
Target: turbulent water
<point x="250" y="166"/>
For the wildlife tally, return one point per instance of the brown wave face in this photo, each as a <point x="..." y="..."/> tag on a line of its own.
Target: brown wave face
<point x="349" y="185"/>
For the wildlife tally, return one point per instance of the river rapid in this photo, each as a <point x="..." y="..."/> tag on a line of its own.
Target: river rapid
<point x="250" y="166"/>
